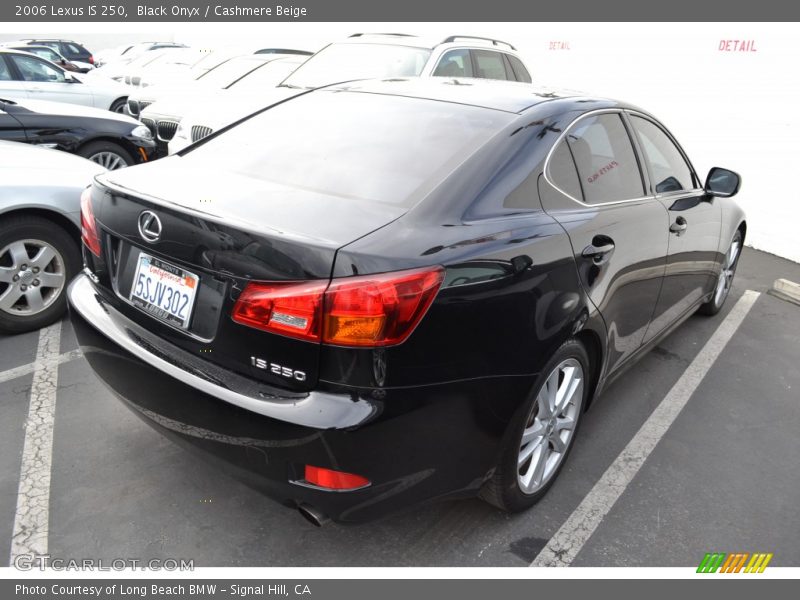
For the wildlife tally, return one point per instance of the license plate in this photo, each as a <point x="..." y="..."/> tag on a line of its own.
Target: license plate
<point x="165" y="291"/>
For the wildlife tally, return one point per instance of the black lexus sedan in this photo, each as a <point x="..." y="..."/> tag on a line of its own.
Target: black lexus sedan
<point x="110" y="139"/>
<point x="380" y="293"/>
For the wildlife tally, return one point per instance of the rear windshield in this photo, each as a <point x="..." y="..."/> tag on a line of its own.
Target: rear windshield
<point x="354" y="145"/>
<point x="347" y="62"/>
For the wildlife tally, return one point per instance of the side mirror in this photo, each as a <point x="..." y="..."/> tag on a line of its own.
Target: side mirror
<point x="722" y="183"/>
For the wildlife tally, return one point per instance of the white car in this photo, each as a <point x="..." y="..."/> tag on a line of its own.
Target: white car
<point x="363" y="56"/>
<point x="223" y="76"/>
<point x="174" y="65"/>
<point x="40" y="228"/>
<point x="242" y="97"/>
<point x="25" y="76"/>
<point x="118" y="69"/>
<point x="127" y="52"/>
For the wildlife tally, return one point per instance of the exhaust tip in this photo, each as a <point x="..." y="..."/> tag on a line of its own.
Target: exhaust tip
<point x="312" y="515"/>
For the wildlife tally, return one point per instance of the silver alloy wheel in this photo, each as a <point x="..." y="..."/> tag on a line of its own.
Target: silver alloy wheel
<point x="110" y="160"/>
<point x="726" y="275"/>
<point x="32" y="277"/>
<point x="550" y="426"/>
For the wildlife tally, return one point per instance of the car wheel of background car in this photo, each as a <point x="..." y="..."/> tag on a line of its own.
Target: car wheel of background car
<point x="541" y="433"/>
<point x="37" y="260"/>
<point x="725" y="279"/>
<point x="108" y="154"/>
<point x="118" y="106"/>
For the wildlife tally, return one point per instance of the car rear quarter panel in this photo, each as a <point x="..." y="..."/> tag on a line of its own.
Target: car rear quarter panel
<point x="511" y="295"/>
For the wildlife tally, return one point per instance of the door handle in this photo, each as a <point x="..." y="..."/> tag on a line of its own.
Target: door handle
<point x="600" y="250"/>
<point x="679" y="226"/>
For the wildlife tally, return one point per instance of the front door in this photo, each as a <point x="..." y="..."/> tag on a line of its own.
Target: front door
<point x="44" y="81"/>
<point x="694" y="224"/>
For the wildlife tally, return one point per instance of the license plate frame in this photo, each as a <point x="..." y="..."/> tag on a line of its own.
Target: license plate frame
<point x="165" y="291"/>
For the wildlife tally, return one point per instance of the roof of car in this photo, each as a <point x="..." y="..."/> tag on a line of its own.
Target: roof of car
<point x="403" y="39"/>
<point x="50" y="40"/>
<point x="6" y="50"/>
<point x="505" y="96"/>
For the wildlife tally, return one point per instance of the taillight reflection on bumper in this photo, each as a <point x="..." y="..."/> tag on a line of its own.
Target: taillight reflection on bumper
<point x="334" y="480"/>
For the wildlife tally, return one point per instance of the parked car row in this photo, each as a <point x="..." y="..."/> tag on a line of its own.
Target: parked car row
<point x="403" y="270"/>
<point x="361" y="56"/>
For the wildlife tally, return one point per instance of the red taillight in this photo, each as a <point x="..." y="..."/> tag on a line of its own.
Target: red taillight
<point x="89" y="234"/>
<point x="334" y="480"/>
<point x="366" y="311"/>
<point x="291" y="309"/>
<point x="378" y="310"/>
<point x="91" y="59"/>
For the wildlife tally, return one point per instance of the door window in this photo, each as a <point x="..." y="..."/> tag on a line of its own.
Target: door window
<point x="455" y="63"/>
<point x="668" y="168"/>
<point x="5" y="74"/>
<point x="489" y="65"/>
<point x="33" y="69"/>
<point x="605" y="160"/>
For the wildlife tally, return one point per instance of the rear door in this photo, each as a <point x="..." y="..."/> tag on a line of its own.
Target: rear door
<point x="694" y="223"/>
<point x="594" y="186"/>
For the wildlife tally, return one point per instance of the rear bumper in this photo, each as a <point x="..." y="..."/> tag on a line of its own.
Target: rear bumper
<point x="413" y="445"/>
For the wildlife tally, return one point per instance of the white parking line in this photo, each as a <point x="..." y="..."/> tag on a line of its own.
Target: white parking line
<point x="30" y="367"/>
<point x="564" y="546"/>
<point x="31" y="522"/>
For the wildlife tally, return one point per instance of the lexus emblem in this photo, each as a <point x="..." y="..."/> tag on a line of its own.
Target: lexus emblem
<point x="149" y="226"/>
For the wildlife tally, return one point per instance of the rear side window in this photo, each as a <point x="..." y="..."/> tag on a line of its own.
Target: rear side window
<point x="455" y="63"/>
<point x="489" y="65"/>
<point x="74" y="50"/>
<point x="562" y="173"/>
<point x="520" y="71"/>
<point x="605" y="160"/>
<point x="668" y="168"/>
<point x="350" y="146"/>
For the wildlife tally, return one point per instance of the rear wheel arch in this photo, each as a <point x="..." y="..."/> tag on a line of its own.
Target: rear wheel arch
<point x="53" y="216"/>
<point x="591" y="342"/>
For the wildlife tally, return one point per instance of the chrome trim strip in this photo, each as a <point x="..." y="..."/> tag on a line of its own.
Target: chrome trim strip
<point x="311" y="486"/>
<point x="320" y="410"/>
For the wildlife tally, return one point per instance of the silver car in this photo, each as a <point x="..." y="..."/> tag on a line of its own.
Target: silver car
<point x="40" y="228"/>
<point x="26" y="76"/>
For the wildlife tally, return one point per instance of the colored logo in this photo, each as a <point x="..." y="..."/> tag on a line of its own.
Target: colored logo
<point x="734" y="562"/>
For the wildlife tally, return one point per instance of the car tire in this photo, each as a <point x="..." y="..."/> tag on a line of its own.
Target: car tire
<point x="506" y="488"/>
<point x="107" y="154"/>
<point x="725" y="279"/>
<point x="118" y="106"/>
<point x="36" y="237"/>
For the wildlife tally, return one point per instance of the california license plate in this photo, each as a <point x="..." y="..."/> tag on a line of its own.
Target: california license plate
<point x="165" y="291"/>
